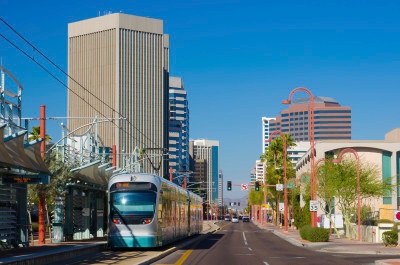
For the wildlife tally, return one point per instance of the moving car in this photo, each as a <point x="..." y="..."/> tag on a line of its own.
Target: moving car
<point x="235" y="219"/>
<point x="246" y="219"/>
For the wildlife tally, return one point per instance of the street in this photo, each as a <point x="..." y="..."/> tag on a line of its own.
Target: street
<point x="233" y="243"/>
<point x="245" y="243"/>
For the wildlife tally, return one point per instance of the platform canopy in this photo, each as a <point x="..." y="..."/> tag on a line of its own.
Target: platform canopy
<point x="95" y="172"/>
<point x="21" y="161"/>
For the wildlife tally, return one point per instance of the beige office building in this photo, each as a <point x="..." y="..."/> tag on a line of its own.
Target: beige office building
<point x="384" y="155"/>
<point x="118" y="66"/>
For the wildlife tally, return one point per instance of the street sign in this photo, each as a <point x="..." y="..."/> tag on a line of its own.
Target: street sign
<point x="281" y="206"/>
<point x="279" y="187"/>
<point x="245" y="187"/>
<point x="313" y="206"/>
<point x="397" y="216"/>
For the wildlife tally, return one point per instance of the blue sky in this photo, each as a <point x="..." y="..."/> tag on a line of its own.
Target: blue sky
<point x="238" y="60"/>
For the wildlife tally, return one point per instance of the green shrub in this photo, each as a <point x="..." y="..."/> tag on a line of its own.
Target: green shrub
<point x="384" y="221"/>
<point x="302" y="216"/>
<point x="369" y="222"/>
<point x="376" y="222"/>
<point x="314" y="234"/>
<point x="390" y="238"/>
<point x="35" y="227"/>
<point x="305" y="231"/>
<point x="319" y="234"/>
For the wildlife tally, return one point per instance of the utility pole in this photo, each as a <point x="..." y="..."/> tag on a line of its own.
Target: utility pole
<point x="42" y="194"/>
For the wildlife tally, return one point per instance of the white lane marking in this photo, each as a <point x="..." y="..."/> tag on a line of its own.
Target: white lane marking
<point x="244" y="238"/>
<point x="266" y="263"/>
<point x="250" y="249"/>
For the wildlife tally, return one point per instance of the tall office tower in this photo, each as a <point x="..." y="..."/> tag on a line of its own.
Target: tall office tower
<point x="119" y="67"/>
<point x="205" y="153"/>
<point x="220" y="188"/>
<point x="331" y="120"/>
<point x="178" y="128"/>
<point x="265" y="132"/>
<point x="259" y="171"/>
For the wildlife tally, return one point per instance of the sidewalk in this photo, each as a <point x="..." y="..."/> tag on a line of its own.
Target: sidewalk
<point x="336" y="245"/>
<point x="56" y="252"/>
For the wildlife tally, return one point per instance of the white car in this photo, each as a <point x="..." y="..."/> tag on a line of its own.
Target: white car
<point x="235" y="219"/>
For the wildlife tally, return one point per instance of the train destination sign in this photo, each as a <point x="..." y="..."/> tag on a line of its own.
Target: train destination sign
<point x="25" y="179"/>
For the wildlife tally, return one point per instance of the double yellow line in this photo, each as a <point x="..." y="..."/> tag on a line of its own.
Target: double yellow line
<point x="186" y="255"/>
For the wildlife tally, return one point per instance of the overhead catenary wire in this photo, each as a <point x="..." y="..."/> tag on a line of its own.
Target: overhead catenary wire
<point x="71" y="78"/>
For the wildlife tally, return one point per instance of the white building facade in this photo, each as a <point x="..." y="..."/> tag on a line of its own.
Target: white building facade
<point x="384" y="154"/>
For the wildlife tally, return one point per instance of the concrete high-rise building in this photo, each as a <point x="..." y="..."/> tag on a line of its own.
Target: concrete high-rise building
<point x="295" y="153"/>
<point x="178" y="127"/>
<point x="259" y="171"/>
<point x="204" y="156"/>
<point x="265" y="132"/>
<point x="331" y="120"/>
<point x="220" y="188"/>
<point x="119" y="67"/>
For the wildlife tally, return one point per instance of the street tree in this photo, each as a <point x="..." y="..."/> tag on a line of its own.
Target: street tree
<point x="340" y="182"/>
<point x="35" y="134"/>
<point x="41" y="192"/>
<point x="274" y="158"/>
<point x="327" y="190"/>
<point x="60" y="176"/>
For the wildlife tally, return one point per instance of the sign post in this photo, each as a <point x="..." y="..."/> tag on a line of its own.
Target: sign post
<point x="313" y="206"/>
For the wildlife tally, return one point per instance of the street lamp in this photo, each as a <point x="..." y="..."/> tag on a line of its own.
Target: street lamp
<point x="337" y="160"/>
<point x="285" y="195"/>
<point x="194" y="183"/>
<point x="311" y="139"/>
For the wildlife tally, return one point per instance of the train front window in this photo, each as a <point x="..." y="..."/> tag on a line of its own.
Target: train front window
<point x="133" y="207"/>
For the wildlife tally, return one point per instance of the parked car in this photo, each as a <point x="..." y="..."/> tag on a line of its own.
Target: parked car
<point x="227" y="218"/>
<point x="246" y="219"/>
<point x="235" y="219"/>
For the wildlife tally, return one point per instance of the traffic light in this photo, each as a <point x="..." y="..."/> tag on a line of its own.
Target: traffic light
<point x="229" y="187"/>
<point x="257" y="186"/>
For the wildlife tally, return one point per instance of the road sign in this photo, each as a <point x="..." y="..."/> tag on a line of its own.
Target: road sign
<point x="279" y="187"/>
<point x="313" y="206"/>
<point x="281" y="206"/>
<point x="245" y="187"/>
<point x="397" y="216"/>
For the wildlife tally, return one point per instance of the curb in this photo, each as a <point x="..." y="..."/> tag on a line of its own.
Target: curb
<point x="182" y="245"/>
<point x="61" y="254"/>
<point x="55" y="256"/>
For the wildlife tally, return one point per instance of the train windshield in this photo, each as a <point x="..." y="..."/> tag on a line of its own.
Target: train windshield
<point x="133" y="207"/>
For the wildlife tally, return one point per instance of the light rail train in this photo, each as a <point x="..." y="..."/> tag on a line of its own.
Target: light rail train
<point x="147" y="211"/>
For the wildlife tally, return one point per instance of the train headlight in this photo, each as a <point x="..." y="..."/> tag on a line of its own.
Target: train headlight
<point x="146" y="221"/>
<point x="117" y="221"/>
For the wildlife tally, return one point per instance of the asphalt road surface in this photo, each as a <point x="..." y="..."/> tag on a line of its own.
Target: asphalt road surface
<point x="236" y="244"/>
<point x="244" y="243"/>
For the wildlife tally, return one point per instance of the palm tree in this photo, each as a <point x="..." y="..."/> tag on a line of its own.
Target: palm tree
<point x="274" y="158"/>
<point x="35" y="134"/>
<point x="40" y="189"/>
